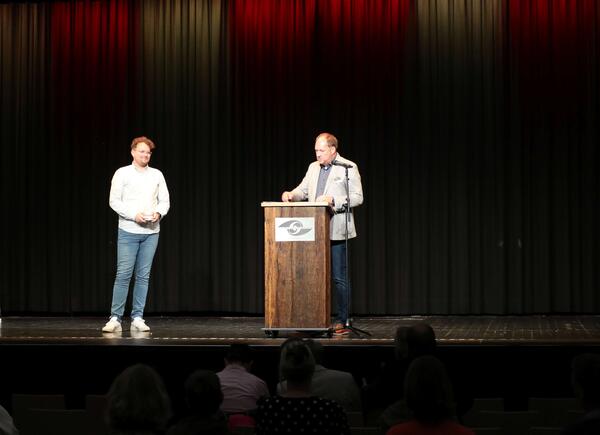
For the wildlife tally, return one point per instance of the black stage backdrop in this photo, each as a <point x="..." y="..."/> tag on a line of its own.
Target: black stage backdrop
<point x="474" y="124"/>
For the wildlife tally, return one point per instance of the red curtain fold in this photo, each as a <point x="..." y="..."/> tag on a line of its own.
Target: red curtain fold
<point x="92" y="46"/>
<point x="553" y="44"/>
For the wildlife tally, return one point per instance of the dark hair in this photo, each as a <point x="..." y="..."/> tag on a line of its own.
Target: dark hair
<point x="239" y="352"/>
<point x="427" y="390"/>
<point x="138" y="400"/>
<point x="316" y="349"/>
<point x="420" y="340"/>
<point x="203" y="392"/>
<point x="296" y="363"/>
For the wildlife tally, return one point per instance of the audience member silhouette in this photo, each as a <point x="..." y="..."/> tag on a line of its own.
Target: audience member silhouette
<point x="203" y="398"/>
<point x="241" y="389"/>
<point x="387" y="391"/>
<point x="138" y="403"/>
<point x="420" y="340"/>
<point x="585" y="377"/>
<point x="297" y="411"/>
<point x="413" y="342"/>
<point x="7" y="427"/>
<point x="381" y="391"/>
<point x="429" y="398"/>
<point x="330" y="384"/>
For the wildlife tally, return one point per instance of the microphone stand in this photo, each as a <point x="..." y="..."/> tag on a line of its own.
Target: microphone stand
<point x="348" y="325"/>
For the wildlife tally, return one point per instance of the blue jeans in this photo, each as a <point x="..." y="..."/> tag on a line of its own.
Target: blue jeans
<point x="134" y="252"/>
<point x="340" y="281"/>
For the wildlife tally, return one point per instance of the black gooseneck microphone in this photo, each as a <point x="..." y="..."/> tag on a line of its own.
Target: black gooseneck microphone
<point x="343" y="165"/>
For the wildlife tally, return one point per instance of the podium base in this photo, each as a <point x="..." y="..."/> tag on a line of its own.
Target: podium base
<point x="274" y="332"/>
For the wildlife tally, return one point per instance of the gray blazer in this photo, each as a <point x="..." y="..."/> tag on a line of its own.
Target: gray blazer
<point x="335" y="187"/>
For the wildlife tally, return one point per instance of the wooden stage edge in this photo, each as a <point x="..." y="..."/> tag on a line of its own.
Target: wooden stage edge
<point x="532" y="330"/>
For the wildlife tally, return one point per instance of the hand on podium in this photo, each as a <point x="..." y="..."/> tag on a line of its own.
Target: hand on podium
<point x="327" y="199"/>
<point x="287" y="196"/>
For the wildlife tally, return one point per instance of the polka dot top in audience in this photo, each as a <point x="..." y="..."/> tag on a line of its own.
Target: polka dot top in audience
<point x="300" y="415"/>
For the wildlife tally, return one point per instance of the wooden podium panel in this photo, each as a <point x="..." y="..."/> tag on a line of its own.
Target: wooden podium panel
<point x="297" y="273"/>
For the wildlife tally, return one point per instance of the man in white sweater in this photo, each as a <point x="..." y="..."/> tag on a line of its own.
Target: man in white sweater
<point x="140" y="197"/>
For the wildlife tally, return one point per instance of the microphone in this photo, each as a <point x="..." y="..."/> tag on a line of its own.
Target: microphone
<point x="343" y="165"/>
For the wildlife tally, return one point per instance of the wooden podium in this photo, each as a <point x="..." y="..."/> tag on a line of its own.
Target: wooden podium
<point x="297" y="267"/>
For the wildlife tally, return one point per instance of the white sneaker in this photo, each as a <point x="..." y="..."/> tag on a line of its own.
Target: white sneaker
<point x="139" y="324"/>
<point x="134" y="333"/>
<point x="113" y="325"/>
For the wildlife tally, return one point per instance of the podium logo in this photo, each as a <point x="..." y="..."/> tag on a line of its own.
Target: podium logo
<point x="294" y="229"/>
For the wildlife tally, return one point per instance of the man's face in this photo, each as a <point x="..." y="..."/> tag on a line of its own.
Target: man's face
<point x="141" y="154"/>
<point x="325" y="154"/>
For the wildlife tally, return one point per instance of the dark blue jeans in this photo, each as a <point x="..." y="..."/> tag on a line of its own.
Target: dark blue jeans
<point x="340" y="279"/>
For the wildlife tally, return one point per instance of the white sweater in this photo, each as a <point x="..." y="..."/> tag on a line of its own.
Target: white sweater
<point x="136" y="191"/>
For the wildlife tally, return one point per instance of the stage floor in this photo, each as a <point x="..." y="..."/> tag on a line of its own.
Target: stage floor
<point x="494" y="356"/>
<point x="543" y="330"/>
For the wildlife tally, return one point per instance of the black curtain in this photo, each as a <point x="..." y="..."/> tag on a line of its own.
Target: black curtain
<point x="474" y="124"/>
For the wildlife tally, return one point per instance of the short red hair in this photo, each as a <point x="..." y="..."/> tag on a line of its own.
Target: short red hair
<point x="141" y="139"/>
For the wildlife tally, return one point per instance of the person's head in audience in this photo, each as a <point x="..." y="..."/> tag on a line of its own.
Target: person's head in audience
<point x="296" y="364"/>
<point x="138" y="402"/>
<point x="241" y="354"/>
<point x="316" y="349"/>
<point x="427" y="390"/>
<point x="420" y="340"/>
<point x="203" y="393"/>
<point x="585" y="377"/>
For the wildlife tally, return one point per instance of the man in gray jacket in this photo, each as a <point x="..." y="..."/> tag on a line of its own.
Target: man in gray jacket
<point x="325" y="181"/>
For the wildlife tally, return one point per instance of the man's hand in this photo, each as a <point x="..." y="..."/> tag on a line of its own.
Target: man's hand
<point x="139" y="218"/>
<point x="287" y="196"/>
<point x="142" y="220"/>
<point x="325" y="198"/>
